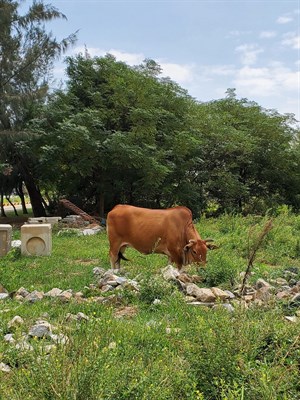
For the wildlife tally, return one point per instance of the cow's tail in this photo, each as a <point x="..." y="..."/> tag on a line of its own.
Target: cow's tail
<point x="122" y="257"/>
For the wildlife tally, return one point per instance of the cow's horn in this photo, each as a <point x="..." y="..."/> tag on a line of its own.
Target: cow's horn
<point x="208" y="240"/>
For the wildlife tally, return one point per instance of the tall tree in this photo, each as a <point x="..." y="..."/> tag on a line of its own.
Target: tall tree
<point x="27" y="53"/>
<point x="112" y="132"/>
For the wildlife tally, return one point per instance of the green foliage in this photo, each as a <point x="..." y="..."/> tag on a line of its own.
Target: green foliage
<point x="124" y="134"/>
<point x="222" y="269"/>
<point x="153" y="288"/>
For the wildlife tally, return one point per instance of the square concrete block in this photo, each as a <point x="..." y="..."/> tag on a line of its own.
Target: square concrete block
<point x="36" y="240"/>
<point x="5" y="238"/>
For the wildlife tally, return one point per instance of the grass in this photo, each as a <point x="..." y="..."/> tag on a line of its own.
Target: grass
<point x="169" y="350"/>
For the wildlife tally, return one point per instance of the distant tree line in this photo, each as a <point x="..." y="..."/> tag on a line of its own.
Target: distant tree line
<point x="122" y="134"/>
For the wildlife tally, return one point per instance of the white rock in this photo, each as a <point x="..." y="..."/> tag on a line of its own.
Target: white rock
<point x="22" y="292"/>
<point x="60" y="338"/>
<point x="16" y="243"/>
<point x="55" y="292"/>
<point x="34" y="296"/>
<point x="9" y="337"/>
<point x="16" y="321"/>
<point x="4" y="296"/>
<point x="41" y="329"/>
<point x="82" y="317"/>
<point x="170" y="273"/>
<point x="219" y="293"/>
<point x="202" y="294"/>
<point x="4" y="367"/>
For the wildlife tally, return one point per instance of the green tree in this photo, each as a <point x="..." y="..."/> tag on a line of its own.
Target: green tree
<point x="114" y="133"/>
<point x="252" y="161"/>
<point x="27" y="53"/>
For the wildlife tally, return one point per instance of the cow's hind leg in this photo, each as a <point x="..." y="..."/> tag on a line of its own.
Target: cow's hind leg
<point x="116" y="255"/>
<point x="114" y="259"/>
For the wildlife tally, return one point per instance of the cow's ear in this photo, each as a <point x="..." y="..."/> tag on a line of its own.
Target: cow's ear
<point x="211" y="246"/>
<point x="189" y="245"/>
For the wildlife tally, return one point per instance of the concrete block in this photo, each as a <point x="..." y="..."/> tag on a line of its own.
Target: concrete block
<point x="36" y="220"/>
<point x="36" y="240"/>
<point x="52" y="220"/>
<point x="5" y="238"/>
<point x="44" y="220"/>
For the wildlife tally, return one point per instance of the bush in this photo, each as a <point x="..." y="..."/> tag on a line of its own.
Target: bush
<point x="221" y="269"/>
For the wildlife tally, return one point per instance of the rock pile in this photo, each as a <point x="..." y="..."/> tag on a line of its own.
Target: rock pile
<point x="260" y="294"/>
<point x="108" y="281"/>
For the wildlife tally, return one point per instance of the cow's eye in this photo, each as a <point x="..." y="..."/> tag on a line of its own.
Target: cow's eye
<point x="194" y="252"/>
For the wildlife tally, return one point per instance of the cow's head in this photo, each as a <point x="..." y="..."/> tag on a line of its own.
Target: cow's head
<point x="195" y="251"/>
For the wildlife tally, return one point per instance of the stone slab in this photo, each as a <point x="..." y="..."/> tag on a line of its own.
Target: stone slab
<point x="5" y="238"/>
<point x="36" y="239"/>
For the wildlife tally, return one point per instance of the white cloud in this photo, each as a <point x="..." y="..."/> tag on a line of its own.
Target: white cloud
<point x="249" y="53"/>
<point x="292" y="40"/>
<point x="177" y="72"/>
<point x="269" y="81"/>
<point x="267" y="34"/>
<point x="284" y="19"/>
<point x="129" y="58"/>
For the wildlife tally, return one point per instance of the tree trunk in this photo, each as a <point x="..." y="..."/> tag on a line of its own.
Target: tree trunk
<point x="2" y="205"/>
<point x="38" y="208"/>
<point x="19" y="190"/>
<point x="12" y="204"/>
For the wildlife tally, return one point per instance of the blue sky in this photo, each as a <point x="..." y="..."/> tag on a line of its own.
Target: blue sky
<point x="205" y="46"/>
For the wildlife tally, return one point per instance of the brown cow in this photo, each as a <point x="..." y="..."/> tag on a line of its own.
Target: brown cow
<point x="170" y="232"/>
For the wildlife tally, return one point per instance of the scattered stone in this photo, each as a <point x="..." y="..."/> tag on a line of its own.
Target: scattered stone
<point x="106" y="288"/>
<point x="92" y="231"/>
<point x="4" y="296"/>
<point x="230" y="294"/>
<point x="264" y="294"/>
<point x="170" y="273"/>
<point x="283" y="295"/>
<point x="9" y="337"/>
<point x="65" y="296"/>
<point x="280" y="281"/>
<point x="156" y="301"/>
<point x="59" y="338"/>
<point x="296" y="299"/>
<point x="34" y="296"/>
<point x="262" y="283"/>
<point x="55" y="292"/>
<point x="16" y="244"/>
<point x="41" y="329"/>
<point x="202" y="294"/>
<point x="219" y="293"/>
<point x="98" y="272"/>
<point x="4" y="367"/>
<point x="185" y="278"/>
<point x="112" y="345"/>
<point x="15" y="322"/>
<point x="82" y="317"/>
<point x="23" y="345"/>
<point x="22" y="292"/>
<point x="291" y="319"/>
